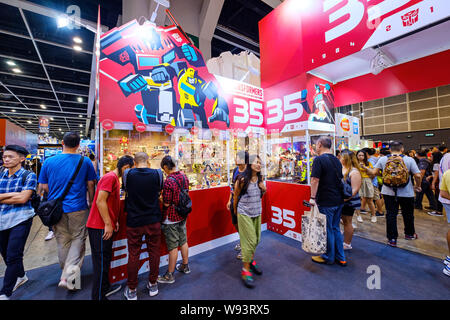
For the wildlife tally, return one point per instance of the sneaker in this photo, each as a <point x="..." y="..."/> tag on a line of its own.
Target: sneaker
<point x="379" y="214"/>
<point x="354" y="226"/>
<point x="447" y="261"/>
<point x="446" y="270"/>
<point x="130" y="294"/>
<point x="435" y="213"/>
<point x="413" y="237"/>
<point x="247" y="279"/>
<point x="255" y="268"/>
<point x="63" y="284"/>
<point x="373" y="219"/>
<point x="239" y="256"/>
<point x="341" y="263"/>
<point x="347" y="246"/>
<point x="20" y="281"/>
<point x="238" y="247"/>
<point x="113" y="289"/>
<point x="359" y="219"/>
<point x="392" y="243"/>
<point x="152" y="289"/>
<point x="166" y="278"/>
<point x="3" y="297"/>
<point x="183" y="268"/>
<point x="50" y="236"/>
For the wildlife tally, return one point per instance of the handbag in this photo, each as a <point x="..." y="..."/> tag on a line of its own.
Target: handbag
<point x="346" y="189"/>
<point x="51" y="211"/>
<point x="314" y="232"/>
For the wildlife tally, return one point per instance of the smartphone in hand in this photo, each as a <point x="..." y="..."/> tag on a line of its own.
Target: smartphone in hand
<point x="306" y="204"/>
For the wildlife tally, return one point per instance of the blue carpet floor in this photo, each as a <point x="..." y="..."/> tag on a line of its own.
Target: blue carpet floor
<point x="289" y="274"/>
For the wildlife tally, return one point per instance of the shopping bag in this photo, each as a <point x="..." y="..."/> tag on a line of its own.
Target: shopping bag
<point x="314" y="232"/>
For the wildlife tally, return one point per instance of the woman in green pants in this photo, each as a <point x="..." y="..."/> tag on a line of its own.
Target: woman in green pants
<point x="249" y="189"/>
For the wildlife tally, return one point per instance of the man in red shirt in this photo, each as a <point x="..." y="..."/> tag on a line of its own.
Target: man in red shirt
<point x="101" y="224"/>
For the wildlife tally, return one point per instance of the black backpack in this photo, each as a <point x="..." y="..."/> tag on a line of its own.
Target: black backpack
<point x="35" y="198"/>
<point x="184" y="206"/>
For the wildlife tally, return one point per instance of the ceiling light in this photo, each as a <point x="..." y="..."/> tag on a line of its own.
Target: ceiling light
<point x="59" y="129"/>
<point x="17" y="70"/>
<point x="80" y="99"/>
<point x="77" y="40"/>
<point x="81" y="126"/>
<point x="43" y="106"/>
<point x="13" y="110"/>
<point x="52" y="118"/>
<point x="62" y="21"/>
<point x="29" y="121"/>
<point x="80" y="116"/>
<point x="11" y="63"/>
<point x="77" y="48"/>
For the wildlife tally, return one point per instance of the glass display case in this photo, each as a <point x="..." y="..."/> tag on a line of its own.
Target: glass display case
<point x="206" y="156"/>
<point x="126" y="141"/>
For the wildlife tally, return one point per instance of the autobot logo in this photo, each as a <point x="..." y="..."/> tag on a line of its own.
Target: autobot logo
<point x="410" y="18"/>
<point x="124" y="57"/>
<point x="353" y="11"/>
<point x="177" y="37"/>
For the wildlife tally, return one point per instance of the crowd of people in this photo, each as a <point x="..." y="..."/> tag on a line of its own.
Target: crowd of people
<point x="153" y="200"/>
<point x="390" y="178"/>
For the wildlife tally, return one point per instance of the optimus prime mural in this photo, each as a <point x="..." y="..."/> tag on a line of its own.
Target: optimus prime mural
<point x="156" y="76"/>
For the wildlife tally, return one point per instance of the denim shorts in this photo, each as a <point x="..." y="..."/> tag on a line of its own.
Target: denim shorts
<point x="175" y="234"/>
<point x="447" y="211"/>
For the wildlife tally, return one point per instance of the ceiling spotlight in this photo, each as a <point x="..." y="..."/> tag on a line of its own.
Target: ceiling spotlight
<point x="17" y="70"/>
<point x="13" y="110"/>
<point x="80" y="99"/>
<point x="11" y="63"/>
<point x="29" y="121"/>
<point x="77" y="40"/>
<point x="81" y="126"/>
<point x="52" y="118"/>
<point x="59" y="129"/>
<point x="43" y="106"/>
<point x="80" y="116"/>
<point x="62" y="21"/>
<point x="77" y="48"/>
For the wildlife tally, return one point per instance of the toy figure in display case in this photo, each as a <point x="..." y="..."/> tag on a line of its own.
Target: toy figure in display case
<point x="124" y="144"/>
<point x="197" y="168"/>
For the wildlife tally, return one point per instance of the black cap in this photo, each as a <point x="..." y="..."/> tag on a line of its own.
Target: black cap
<point x="18" y="149"/>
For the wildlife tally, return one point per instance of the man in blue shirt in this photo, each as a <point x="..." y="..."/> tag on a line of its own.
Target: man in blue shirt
<point x="16" y="216"/>
<point x="70" y="231"/>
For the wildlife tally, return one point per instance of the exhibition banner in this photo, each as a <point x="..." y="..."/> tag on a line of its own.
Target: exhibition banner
<point x="336" y="28"/>
<point x="347" y="126"/>
<point x="292" y="102"/>
<point x="156" y="76"/>
<point x="284" y="208"/>
<point x="44" y="126"/>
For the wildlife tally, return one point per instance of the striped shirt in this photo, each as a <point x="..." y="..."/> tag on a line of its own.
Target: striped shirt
<point x="250" y="203"/>
<point x="13" y="214"/>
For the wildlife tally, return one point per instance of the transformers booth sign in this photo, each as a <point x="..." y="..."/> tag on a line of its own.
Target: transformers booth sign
<point x="349" y="26"/>
<point x="155" y="76"/>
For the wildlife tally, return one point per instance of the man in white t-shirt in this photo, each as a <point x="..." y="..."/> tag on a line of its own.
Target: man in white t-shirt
<point x="404" y="197"/>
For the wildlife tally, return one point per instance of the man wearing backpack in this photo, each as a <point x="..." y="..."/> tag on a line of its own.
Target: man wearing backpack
<point x="426" y="172"/>
<point x="398" y="190"/>
<point x="16" y="216"/>
<point x="143" y="186"/>
<point x="174" y="225"/>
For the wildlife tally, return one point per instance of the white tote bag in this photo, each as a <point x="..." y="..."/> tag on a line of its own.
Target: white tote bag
<point x="314" y="232"/>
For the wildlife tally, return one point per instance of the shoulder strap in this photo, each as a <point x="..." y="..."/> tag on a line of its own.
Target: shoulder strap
<point x="161" y="179"/>
<point x="24" y="176"/>
<point x="69" y="185"/>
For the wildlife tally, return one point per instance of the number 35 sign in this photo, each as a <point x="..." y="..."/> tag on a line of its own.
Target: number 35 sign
<point x="284" y="208"/>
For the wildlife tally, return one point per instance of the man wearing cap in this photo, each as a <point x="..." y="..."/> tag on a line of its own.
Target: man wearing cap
<point x="16" y="216"/>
